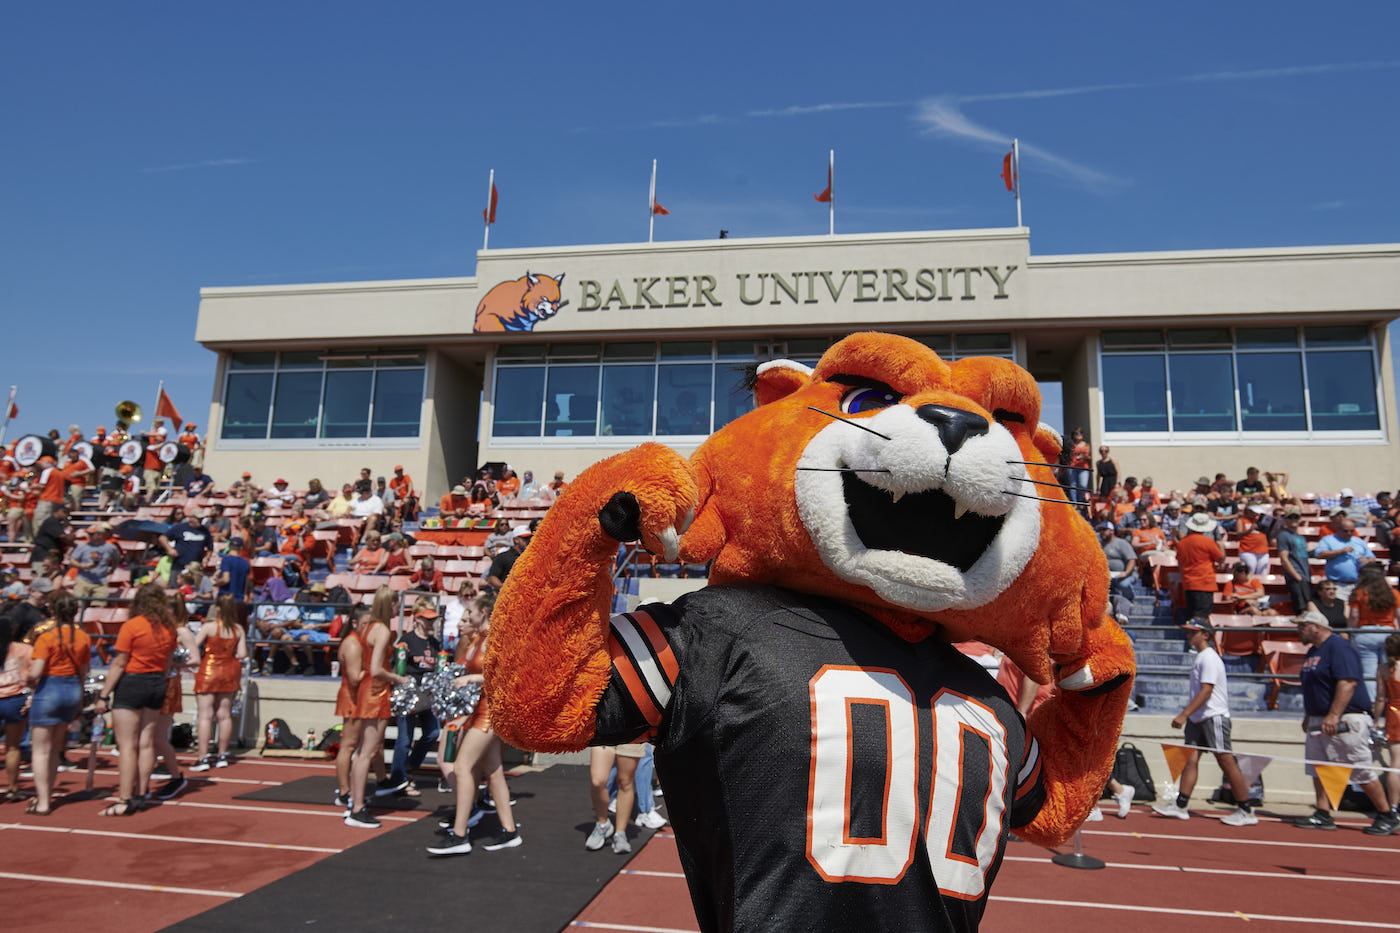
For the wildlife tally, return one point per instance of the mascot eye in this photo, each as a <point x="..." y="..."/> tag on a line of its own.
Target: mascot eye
<point x="866" y="399"/>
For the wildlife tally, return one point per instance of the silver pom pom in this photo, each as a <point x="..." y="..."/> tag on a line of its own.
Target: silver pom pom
<point x="181" y="656"/>
<point x="450" y="702"/>
<point x="407" y="699"/>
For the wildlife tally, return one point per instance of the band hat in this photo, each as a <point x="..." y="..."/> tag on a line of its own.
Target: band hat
<point x="398" y="468"/>
<point x="1201" y="522"/>
<point x="1312" y="617"/>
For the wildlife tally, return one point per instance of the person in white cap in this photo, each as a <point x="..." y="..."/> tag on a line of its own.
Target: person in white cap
<point x="1355" y="510"/>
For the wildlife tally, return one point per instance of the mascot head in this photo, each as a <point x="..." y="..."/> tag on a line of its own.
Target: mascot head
<point x="915" y="488"/>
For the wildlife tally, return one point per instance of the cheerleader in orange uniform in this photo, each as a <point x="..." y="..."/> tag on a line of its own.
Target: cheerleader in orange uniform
<point x="1387" y="709"/>
<point x="351" y="655"/>
<point x="480" y="754"/>
<point x="220" y="674"/>
<point x="174" y="703"/>
<point x="372" y="701"/>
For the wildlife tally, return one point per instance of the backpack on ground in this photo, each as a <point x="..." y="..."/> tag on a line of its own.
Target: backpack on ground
<point x="277" y="734"/>
<point x="1226" y="794"/>
<point x="330" y="737"/>
<point x="1130" y="770"/>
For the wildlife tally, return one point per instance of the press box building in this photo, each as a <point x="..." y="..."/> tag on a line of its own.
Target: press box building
<point x="1184" y="362"/>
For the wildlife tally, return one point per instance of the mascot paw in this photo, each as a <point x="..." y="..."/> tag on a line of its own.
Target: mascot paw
<point x="621" y="519"/>
<point x="646" y="494"/>
<point x="1104" y="664"/>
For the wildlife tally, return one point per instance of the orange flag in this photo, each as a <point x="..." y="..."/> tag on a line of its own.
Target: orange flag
<point x="1008" y="171"/>
<point x="1177" y="756"/>
<point x="166" y="409"/>
<point x="488" y="213"/>
<point x="1334" y="780"/>
<point x="656" y="207"/>
<point x="825" y="195"/>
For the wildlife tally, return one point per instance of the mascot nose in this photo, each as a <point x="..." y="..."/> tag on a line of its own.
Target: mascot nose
<point x="954" y="425"/>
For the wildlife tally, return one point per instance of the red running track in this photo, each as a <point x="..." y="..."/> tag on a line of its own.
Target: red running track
<point x="1164" y="875"/>
<point x="76" y="869"/>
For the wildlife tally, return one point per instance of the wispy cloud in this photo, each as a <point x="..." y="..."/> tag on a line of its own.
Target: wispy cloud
<point x="802" y="110"/>
<point x="1039" y="93"/>
<point x="1289" y="71"/>
<point x="207" y="163"/>
<point x="708" y="119"/>
<point x="1331" y="205"/>
<point x="941" y="117"/>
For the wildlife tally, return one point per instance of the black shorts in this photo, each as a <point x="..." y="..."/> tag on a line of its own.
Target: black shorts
<point x="1199" y="603"/>
<point x="139" y="691"/>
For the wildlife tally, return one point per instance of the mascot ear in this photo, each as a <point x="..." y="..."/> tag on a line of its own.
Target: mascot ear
<point x="1048" y="442"/>
<point x="778" y="378"/>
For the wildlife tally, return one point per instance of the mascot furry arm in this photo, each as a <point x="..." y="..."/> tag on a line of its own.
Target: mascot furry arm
<point x="909" y="489"/>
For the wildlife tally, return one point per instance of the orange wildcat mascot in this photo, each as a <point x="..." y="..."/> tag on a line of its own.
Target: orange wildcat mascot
<point x="519" y="304"/>
<point x="830" y="760"/>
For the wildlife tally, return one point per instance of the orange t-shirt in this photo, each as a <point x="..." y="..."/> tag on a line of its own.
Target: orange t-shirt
<point x="1120" y="509"/>
<point x="74" y="467"/>
<point x="1146" y="539"/>
<point x="188" y="440"/>
<point x="1197" y="554"/>
<point x="402" y="486"/>
<point x="63" y="658"/>
<point x="1242" y="594"/>
<point x="54" y="482"/>
<point x="450" y="503"/>
<point x="1255" y="542"/>
<point x="149" y="645"/>
<point x="508" y="487"/>
<point x="1368" y="616"/>
<point x="153" y="461"/>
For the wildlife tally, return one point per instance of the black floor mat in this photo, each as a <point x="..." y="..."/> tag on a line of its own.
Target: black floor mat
<point x="389" y="882"/>
<point x="320" y="789"/>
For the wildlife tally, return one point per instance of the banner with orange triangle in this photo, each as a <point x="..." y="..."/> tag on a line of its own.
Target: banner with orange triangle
<point x="1177" y="756"/>
<point x="1334" y="780"/>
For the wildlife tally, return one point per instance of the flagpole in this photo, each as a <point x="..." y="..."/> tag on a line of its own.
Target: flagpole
<point x="831" y="203"/>
<point x="1016" y="173"/>
<point x="9" y="407"/>
<point x="490" y="187"/>
<point x="651" y="204"/>
<point x="155" y="412"/>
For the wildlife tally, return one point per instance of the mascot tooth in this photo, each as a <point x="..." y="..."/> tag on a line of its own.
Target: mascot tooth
<point x="830" y="759"/>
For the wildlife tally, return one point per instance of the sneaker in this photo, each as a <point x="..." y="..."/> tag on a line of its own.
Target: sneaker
<point x="361" y="819"/>
<point x="451" y="844"/>
<point x="476" y="817"/>
<point x="600" y="834"/>
<point x="1385" y="824"/>
<point x="1240" y="818"/>
<point x="224" y="760"/>
<point x="161" y="771"/>
<point x="1171" y="809"/>
<point x="392" y="787"/>
<point x="341" y="800"/>
<point x="170" y="788"/>
<point x="612" y="806"/>
<point x="503" y="840"/>
<point x="1318" y="819"/>
<point x="484" y="801"/>
<point x="651" y="820"/>
<point x="443" y="787"/>
<point x="620" y="843"/>
<point x="1125" y="802"/>
<point x="204" y="764"/>
<point x="1095" y="816"/>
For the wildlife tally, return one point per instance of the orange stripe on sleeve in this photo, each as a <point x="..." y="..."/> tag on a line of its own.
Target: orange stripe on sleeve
<point x="659" y="645"/>
<point x="633" y="681"/>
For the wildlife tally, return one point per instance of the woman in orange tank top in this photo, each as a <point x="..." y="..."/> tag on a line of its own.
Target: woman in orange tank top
<point x="1386" y="709"/>
<point x="480" y="754"/>
<point x="224" y="647"/>
<point x="372" y="701"/>
<point x="351" y="656"/>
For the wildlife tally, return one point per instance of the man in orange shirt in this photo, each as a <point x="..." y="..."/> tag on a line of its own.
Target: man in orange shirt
<point x="75" y="434"/>
<point x="405" y="497"/>
<point x="455" y="503"/>
<point x="188" y="438"/>
<point x="1197" y="554"/>
<point x="77" y="471"/>
<point x="154" y="467"/>
<point x="52" y="485"/>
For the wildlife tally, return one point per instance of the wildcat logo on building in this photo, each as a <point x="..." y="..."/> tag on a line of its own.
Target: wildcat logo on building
<point x="519" y="304"/>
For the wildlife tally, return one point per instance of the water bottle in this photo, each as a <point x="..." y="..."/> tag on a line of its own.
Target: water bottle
<point x="401" y="659"/>
<point x="310" y="738"/>
<point x="443" y="660"/>
<point x="335" y="668"/>
<point x="449" y="750"/>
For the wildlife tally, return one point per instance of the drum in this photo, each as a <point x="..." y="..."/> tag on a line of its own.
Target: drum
<point x="171" y="452"/>
<point x="84" y="450"/>
<point x="31" y="447"/>
<point x="132" y="452"/>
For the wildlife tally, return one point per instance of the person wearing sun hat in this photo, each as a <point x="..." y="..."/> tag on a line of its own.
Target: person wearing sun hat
<point x="1206" y="724"/>
<point x="1197" y="553"/>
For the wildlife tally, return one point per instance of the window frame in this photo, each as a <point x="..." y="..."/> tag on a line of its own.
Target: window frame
<point x="1240" y="436"/>
<point x="376" y="361"/>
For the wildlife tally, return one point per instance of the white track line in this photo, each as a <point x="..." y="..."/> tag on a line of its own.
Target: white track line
<point x="1241" y="840"/>
<point x="634" y="929"/>
<point x="652" y="874"/>
<point x="192" y="840"/>
<point x="328" y="811"/>
<point x="1291" y="876"/>
<point x="93" y="882"/>
<point x="1185" y="912"/>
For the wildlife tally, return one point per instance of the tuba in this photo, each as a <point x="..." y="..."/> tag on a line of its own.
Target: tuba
<point x="128" y="412"/>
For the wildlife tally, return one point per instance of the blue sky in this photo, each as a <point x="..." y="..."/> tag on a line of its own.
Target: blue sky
<point x="156" y="148"/>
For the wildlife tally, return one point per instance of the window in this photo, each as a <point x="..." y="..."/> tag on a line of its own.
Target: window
<point x="317" y="394"/>
<point x="1247" y="381"/>
<point x="640" y="389"/>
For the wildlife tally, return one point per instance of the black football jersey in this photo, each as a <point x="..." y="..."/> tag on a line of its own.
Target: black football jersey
<point x="821" y="773"/>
